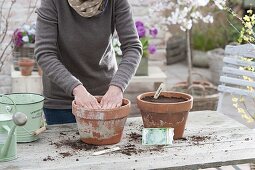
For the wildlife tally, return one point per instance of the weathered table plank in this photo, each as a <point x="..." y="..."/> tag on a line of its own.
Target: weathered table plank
<point x="212" y="139"/>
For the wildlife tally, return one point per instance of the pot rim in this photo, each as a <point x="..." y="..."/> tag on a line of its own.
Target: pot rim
<point x="105" y="110"/>
<point x="29" y="103"/>
<point x="139" y="97"/>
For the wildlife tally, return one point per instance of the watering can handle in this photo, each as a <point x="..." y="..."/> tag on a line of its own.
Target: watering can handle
<point x="6" y="146"/>
<point x="39" y="131"/>
<point x="7" y="128"/>
<point x="9" y="108"/>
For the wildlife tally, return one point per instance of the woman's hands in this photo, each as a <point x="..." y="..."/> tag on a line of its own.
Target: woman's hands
<point x="112" y="98"/>
<point x="83" y="98"/>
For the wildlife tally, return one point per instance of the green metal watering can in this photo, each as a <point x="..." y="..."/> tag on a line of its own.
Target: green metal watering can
<point x="8" y="142"/>
<point x="32" y="105"/>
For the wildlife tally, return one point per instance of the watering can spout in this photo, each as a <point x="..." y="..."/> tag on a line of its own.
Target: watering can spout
<point x="19" y="119"/>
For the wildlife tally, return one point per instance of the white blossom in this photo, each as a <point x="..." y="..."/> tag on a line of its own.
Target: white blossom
<point x="31" y="31"/>
<point x="26" y="27"/>
<point x="25" y="39"/>
<point x="182" y="12"/>
<point x="220" y="3"/>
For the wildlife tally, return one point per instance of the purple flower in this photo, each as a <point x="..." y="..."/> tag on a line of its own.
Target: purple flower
<point x="141" y="31"/>
<point x="153" y="32"/>
<point x="139" y="24"/>
<point x="152" y="48"/>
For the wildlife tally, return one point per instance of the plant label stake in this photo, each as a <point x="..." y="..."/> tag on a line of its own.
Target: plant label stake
<point x="160" y="88"/>
<point x="106" y="151"/>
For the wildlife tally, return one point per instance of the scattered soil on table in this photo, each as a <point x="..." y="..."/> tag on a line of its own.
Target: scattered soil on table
<point x="182" y="139"/>
<point x="157" y="149"/>
<point x="247" y="139"/>
<point x="74" y="144"/>
<point x="65" y="154"/>
<point x="163" y="99"/>
<point x="77" y="159"/>
<point x="133" y="136"/>
<point x="48" y="158"/>
<point x="197" y="139"/>
<point x="130" y="149"/>
<point x="62" y="133"/>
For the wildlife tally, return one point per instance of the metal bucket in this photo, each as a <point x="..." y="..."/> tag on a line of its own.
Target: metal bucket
<point x="30" y="104"/>
<point x="5" y="125"/>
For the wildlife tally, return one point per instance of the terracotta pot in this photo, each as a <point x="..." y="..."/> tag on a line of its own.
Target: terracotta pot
<point x="165" y="115"/>
<point x="26" y="66"/>
<point x="101" y="127"/>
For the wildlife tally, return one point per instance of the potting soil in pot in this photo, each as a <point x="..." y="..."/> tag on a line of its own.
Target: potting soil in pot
<point x="163" y="99"/>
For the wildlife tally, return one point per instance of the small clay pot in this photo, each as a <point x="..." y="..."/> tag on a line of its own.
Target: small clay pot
<point x="101" y="127"/>
<point x="26" y="66"/>
<point x="165" y="115"/>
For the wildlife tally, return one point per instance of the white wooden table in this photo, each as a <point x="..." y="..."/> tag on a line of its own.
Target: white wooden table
<point x="223" y="142"/>
<point x="155" y="75"/>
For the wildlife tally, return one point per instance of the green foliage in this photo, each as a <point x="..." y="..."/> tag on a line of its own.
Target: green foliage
<point x="247" y="33"/>
<point x="145" y="44"/>
<point x="215" y="35"/>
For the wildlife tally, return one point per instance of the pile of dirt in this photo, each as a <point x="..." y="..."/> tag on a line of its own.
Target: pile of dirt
<point x="130" y="149"/>
<point x="133" y="136"/>
<point x="65" y="154"/>
<point x="48" y="158"/>
<point x="74" y="144"/>
<point x="198" y="139"/>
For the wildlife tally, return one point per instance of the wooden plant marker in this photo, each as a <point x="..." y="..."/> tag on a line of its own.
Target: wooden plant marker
<point x="159" y="90"/>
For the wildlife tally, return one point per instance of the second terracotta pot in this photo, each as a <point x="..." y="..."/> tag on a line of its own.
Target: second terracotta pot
<point x="165" y="115"/>
<point x="26" y="66"/>
<point x="101" y="127"/>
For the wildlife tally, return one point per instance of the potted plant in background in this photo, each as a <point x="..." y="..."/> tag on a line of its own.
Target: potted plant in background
<point x="23" y="45"/>
<point x="186" y="13"/>
<point x="146" y="34"/>
<point x="208" y="42"/>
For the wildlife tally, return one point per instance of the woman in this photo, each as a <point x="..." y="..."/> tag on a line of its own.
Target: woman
<point x="74" y="50"/>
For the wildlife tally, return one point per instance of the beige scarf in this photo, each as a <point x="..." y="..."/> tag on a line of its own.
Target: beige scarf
<point x="87" y="8"/>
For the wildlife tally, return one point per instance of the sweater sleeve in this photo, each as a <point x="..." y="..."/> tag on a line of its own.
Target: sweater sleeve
<point x="130" y="44"/>
<point x="46" y="48"/>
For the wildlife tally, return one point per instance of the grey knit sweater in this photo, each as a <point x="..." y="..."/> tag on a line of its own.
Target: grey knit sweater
<point x="73" y="50"/>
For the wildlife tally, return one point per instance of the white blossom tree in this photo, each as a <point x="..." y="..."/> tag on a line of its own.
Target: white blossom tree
<point x="184" y="13"/>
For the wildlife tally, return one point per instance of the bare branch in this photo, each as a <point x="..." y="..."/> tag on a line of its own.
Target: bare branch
<point x="3" y="61"/>
<point x="32" y="11"/>
<point x="3" y="55"/>
<point x="7" y="23"/>
<point x="247" y="110"/>
<point x="2" y="58"/>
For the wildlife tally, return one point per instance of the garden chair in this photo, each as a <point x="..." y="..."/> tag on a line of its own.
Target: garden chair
<point x="237" y="79"/>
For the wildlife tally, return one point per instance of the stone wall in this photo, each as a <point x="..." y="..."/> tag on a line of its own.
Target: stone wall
<point x="24" y="8"/>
